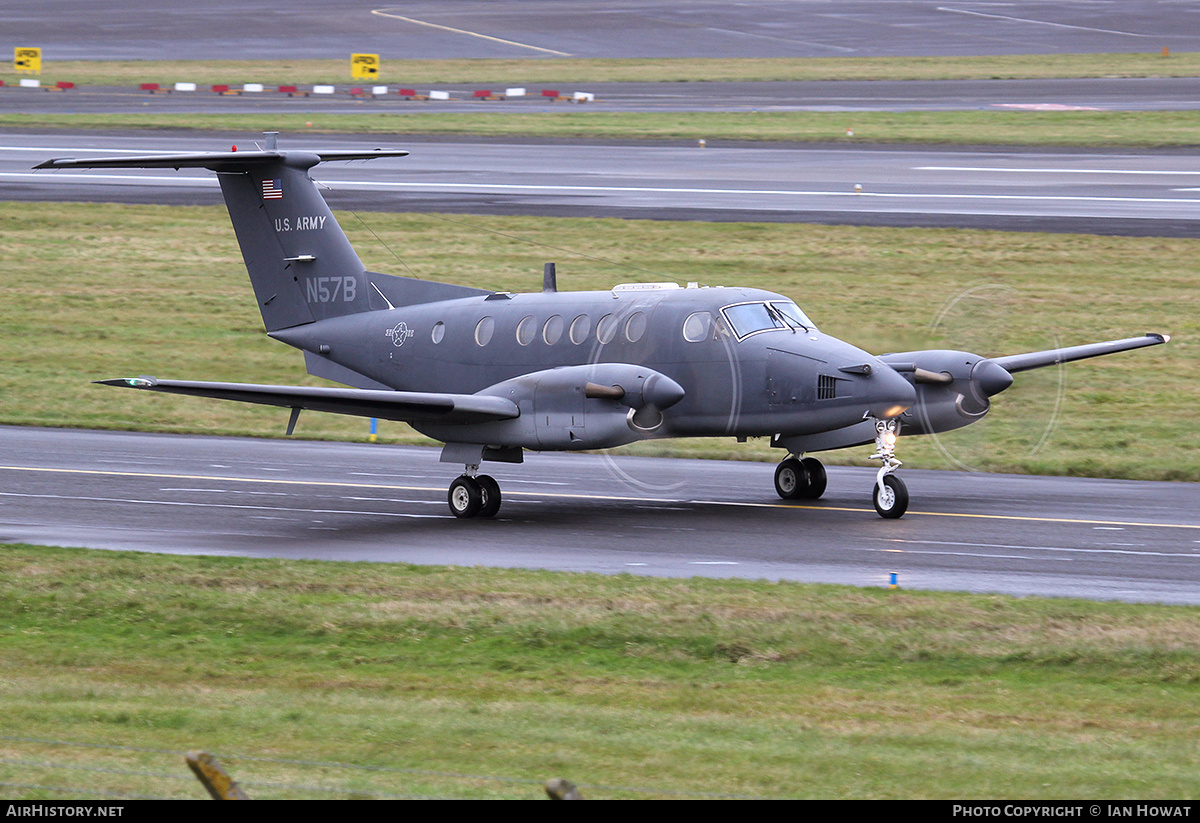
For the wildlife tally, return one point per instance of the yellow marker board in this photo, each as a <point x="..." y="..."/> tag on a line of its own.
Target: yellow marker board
<point x="27" y="59"/>
<point x="364" y="66"/>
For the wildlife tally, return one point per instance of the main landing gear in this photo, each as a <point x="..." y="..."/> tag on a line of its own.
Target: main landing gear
<point x="804" y="478"/>
<point x="800" y="478"/>
<point x="474" y="495"/>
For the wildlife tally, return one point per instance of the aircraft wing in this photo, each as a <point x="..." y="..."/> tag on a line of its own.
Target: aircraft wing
<point x="386" y="405"/>
<point x="1038" y="359"/>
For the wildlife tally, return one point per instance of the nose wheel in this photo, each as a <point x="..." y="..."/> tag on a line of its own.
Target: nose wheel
<point x="474" y="495"/>
<point x="890" y="495"/>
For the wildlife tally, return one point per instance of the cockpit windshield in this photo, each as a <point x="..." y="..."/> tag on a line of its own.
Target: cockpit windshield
<point x="777" y="315"/>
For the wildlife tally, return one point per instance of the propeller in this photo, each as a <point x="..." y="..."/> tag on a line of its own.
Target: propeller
<point x="955" y="387"/>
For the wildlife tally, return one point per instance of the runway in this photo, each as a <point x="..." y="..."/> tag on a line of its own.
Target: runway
<point x="1138" y="193"/>
<point x="175" y="30"/>
<point x="1099" y="539"/>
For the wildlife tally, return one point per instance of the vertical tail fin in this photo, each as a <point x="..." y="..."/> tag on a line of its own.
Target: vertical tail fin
<point x="301" y="264"/>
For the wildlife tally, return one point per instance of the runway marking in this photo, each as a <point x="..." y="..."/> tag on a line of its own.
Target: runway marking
<point x="1016" y="170"/>
<point x="551" y="188"/>
<point x="1064" y="549"/>
<point x="385" y="13"/>
<point x="1040" y="22"/>
<point x="194" y="504"/>
<point x="586" y="496"/>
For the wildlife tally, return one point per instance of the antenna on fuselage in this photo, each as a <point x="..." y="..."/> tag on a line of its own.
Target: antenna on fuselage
<point x="549" y="278"/>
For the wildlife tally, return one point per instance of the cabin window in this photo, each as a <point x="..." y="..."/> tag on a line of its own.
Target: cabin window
<point x="606" y="329"/>
<point x="526" y="330"/>
<point x="484" y="330"/>
<point x="439" y="332"/>
<point x="635" y="326"/>
<point x="580" y="327"/>
<point x="697" y="327"/>
<point x="552" y="331"/>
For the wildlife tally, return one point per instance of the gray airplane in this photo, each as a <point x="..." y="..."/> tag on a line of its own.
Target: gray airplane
<point x="492" y="374"/>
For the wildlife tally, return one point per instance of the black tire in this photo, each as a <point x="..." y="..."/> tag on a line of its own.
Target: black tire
<point x="791" y="479"/>
<point x="817" y="479"/>
<point x="465" y="497"/>
<point x="892" y="503"/>
<point x="491" y="495"/>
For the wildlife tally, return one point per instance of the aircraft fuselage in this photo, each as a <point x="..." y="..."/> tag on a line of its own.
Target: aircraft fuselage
<point x="741" y="380"/>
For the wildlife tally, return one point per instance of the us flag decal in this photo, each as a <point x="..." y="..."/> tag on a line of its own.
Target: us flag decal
<point x="272" y="189"/>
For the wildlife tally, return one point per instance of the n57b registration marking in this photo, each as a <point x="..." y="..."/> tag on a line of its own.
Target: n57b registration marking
<point x="330" y="289"/>
<point x="312" y="223"/>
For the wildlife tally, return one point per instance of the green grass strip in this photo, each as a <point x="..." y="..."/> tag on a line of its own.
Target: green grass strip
<point x="631" y="687"/>
<point x="1151" y="129"/>
<point x="515" y="72"/>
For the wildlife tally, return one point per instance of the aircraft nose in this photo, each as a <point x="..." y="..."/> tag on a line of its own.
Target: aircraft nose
<point x="888" y="394"/>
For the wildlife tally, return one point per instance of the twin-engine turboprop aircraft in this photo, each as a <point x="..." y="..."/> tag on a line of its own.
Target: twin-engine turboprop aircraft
<point x="492" y="374"/>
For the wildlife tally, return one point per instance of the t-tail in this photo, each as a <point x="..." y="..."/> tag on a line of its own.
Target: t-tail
<point x="300" y="262"/>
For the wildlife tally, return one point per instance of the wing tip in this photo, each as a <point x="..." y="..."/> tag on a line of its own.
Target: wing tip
<point x="142" y="382"/>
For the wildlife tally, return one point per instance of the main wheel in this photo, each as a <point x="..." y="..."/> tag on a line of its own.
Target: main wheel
<point x="817" y="479"/>
<point x="892" y="500"/>
<point x="791" y="479"/>
<point x="465" y="497"/>
<point x="491" y="495"/>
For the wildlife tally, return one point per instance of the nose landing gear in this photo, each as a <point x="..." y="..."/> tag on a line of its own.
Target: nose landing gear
<point x="890" y="495"/>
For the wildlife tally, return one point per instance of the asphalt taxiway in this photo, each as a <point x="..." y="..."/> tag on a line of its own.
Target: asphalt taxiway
<point x="1071" y="537"/>
<point x="1136" y="193"/>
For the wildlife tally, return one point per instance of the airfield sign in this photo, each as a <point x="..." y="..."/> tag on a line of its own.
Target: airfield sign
<point x="27" y="60"/>
<point x="364" y="66"/>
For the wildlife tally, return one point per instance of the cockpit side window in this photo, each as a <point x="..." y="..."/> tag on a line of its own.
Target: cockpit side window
<point x="698" y="327"/>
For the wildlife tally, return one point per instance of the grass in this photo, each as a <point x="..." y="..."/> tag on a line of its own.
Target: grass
<point x="110" y="290"/>
<point x="430" y="681"/>
<point x="514" y="72"/>
<point x="1154" y="129"/>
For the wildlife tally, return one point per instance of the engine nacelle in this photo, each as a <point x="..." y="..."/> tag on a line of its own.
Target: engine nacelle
<point x="953" y="388"/>
<point x="595" y="406"/>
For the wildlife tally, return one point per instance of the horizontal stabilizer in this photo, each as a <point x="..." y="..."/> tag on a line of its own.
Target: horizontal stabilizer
<point x="386" y="405"/>
<point x="1038" y="359"/>
<point x="215" y="160"/>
